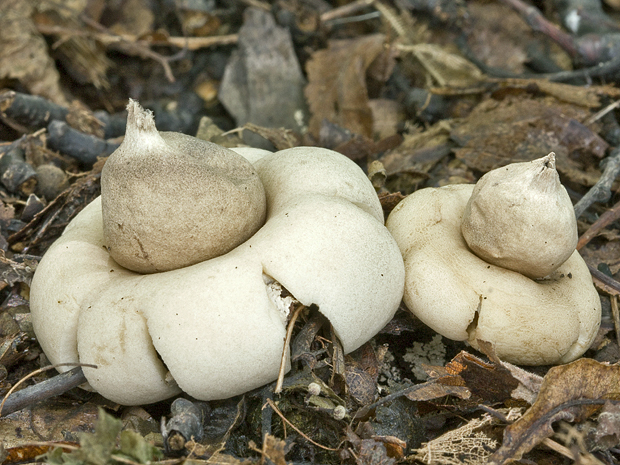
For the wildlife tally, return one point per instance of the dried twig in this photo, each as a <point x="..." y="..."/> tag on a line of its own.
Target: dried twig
<point x="559" y="448"/>
<point x="538" y="23"/>
<point x="285" y="349"/>
<point x="133" y="45"/>
<point x="109" y="38"/>
<point x="604" y="282"/>
<point x="599" y="114"/>
<point x="601" y="191"/>
<point x="52" y="387"/>
<point x="604" y="220"/>
<point x="345" y="10"/>
<point x="285" y="420"/>
<point x="390" y="397"/>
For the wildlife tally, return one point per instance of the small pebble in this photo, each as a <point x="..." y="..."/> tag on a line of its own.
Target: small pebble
<point x="51" y="181"/>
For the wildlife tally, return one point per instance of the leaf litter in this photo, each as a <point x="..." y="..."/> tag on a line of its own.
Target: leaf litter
<point x="388" y="83"/>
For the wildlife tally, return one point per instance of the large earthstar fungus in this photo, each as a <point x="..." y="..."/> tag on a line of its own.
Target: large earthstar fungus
<point x="135" y="286"/>
<point x="497" y="262"/>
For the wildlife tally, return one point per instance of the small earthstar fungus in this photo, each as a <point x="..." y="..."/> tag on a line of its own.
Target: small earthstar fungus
<point x="132" y="285"/>
<point x="497" y="262"/>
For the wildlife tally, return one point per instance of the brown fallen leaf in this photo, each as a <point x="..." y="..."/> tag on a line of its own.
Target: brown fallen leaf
<point x="13" y="348"/>
<point x="281" y="138"/>
<point x="337" y="90"/>
<point x="28" y="452"/>
<point x="436" y="390"/>
<point x="529" y="383"/>
<point x="51" y="420"/>
<point x="588" y="97"/>
<point x="389" y="201"/>
<point x="273" y="450"/>
<point x="496" y="34"/>
<point x="569" y="392"/>
<point x="488" y="382"/>
<point x="369" y="451"/>
<point x="360" y="384"/>
<point x="467" y="376"/>
<point x="518" y="129"/>
<point x="23" y="52"/>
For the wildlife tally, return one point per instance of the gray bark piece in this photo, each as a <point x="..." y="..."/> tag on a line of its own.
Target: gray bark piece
<point x="263" y="82"/>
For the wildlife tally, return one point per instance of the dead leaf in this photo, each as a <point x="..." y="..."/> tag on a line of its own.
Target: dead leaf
<point x="80" y="117"/>
<point x="487" y="382"/>
<point x="563" y="396"/>
<point x="467" y="375"/>
<point x="387" y="116"/>
<point x="51" y="420"/>
<point x="273" y="450"/>
<point x="23" y="52"/>
<point x="394" y="446"/>
<point x="447" y="68"/>
<point x="281" y="138"/>
<point x="19" y="270"/>
<point x="263" y="82"/>
<point x="529" y="383"/>
<point x="25" y="453"/>
<point x="224" y="459"/>
<point x="389" y="201"/>
<point x="337" y="90"/>
<point x="368" y="451"/>
<point x="436" y="390"/>
<point x="81" y="56"/>
<point x="469" y="444"/>
<point x="13" y="348"/>
<point x="588" y="97"/>
<point x="131" y="17"/>
<point x="497" y="133"/>
<point x="224" y="417"/>
<point x="495" y="35"/>
<point x="420" y="151"/>
<point x="360" y="384"/>
<point x="607" y="433"/>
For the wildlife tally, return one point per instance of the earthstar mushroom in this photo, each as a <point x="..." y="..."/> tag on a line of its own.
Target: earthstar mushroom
<point x="452" y="287"/>
<point x="215" y="328"/>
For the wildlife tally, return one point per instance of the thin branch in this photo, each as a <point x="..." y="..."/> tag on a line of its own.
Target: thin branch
<point x="52" y="387"/>
<point x="285" y="349"/>
<point x="601" y="191"/>
<point x="345" y="10"/>
<point x="109" y="38"/>
<point x="599" y="114"/>
<point x="275" y="408"/>
<point x="603" y="221"/>
<point x="538" y="23"/>
<point x="604" y="282"/>
<point x="390" y="397"/>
